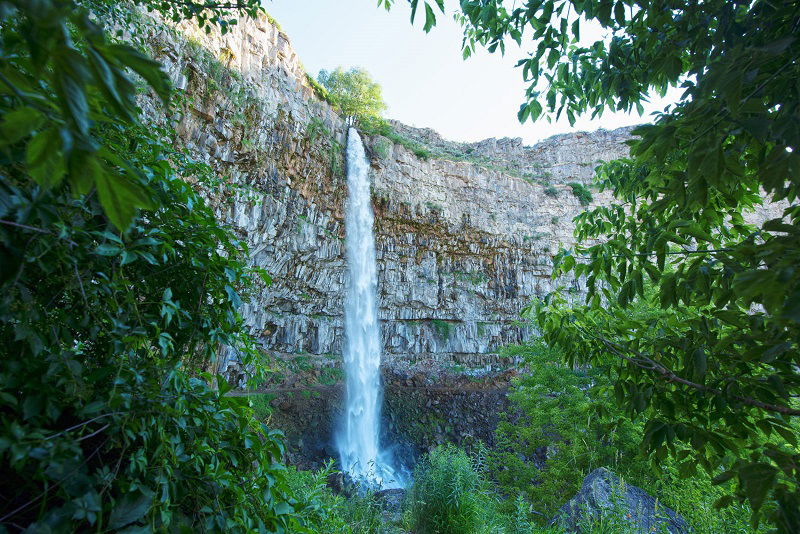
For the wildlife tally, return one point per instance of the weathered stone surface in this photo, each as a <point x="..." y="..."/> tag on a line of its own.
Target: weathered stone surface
<point x="461" y="246"/>
<point x="558" y="159"/>
<point x="605" y="494"/>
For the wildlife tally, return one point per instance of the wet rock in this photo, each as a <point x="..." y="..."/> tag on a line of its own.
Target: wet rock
<point x="335" y="482"/>
<point x="390" y="499"/>
<point x="604" y="493"/>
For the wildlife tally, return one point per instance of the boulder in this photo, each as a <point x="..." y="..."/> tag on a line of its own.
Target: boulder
<point x="603" y="494"/>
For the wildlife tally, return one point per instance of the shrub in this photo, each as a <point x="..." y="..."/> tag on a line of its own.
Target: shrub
<point x="382" y="147"/>
<point x="545" y="451"/>
<point x="378" y="126"/>
<point x="551" y="191"/>
<point x="328" y="513"/>
<point x="582" y="193"/>
<point x="319" y="90"/>
<point x="111" y="316"/>
<point x="449" y="496"/>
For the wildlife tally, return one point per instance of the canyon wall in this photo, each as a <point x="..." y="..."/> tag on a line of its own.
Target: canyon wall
<point x="465" y="239"/>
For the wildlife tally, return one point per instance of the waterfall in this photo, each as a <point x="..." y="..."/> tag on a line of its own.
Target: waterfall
<point x="358" y="438"/>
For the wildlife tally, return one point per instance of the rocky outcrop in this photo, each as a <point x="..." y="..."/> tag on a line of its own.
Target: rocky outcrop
<point x="464" y="239"/>
<point x="462" y="246"/>
<point x="621" y="506"/>
<point x="559" y="159"/>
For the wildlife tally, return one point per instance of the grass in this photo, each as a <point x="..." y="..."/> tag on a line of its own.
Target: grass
<point x="384" y="129"/>
<point x="319" y="90"/>
<point x="328" y="513"/>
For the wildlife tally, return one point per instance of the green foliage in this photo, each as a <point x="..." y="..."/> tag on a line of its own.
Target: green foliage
<point x="718" y="384"/>
<point x="108" y="317"/>
<point x="563" y="425"/>
<point x="328" y="513"/>
<point x="442" y="328"/>
<point x="381" y="127"/>
<point x="382" y="147"/>
<point x="261" y="405"/>
<point x="319" y="90"/>
<point x="581" y="192"/>
<point x="430" y="13"/>
<point x="354" y="93"/>
<point x="551" y="191"/>
<point x="554" y="439"/>
<point x="99" y="333"/>
<point x="449" y="495"/>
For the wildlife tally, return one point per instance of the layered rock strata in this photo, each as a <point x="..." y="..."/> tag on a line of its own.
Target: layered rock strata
<point x="462" y="246"/>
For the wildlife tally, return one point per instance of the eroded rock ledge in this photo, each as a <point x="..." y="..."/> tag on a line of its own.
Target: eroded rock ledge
<point x="462" y="246"/>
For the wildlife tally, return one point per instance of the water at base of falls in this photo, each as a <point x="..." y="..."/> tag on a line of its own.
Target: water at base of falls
<point x="358" y="438"/>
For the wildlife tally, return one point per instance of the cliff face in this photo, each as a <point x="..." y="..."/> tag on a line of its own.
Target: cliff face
<point x="462" y="246"/>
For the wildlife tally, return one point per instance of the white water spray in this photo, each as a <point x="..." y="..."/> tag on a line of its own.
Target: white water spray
<point x="358" y="439"/>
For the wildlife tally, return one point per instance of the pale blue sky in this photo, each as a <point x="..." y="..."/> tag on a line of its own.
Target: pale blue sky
<point x="425" y="81"/>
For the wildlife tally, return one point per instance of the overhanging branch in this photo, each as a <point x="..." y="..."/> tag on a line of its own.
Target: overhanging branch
<point x="645" y="362"/>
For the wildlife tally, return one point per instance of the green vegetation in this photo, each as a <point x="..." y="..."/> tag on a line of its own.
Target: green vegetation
<point x="261" y="405"/>
<point x="474" y="278"/>
<point x="382" y="147"/>
<point x="564" y="425"/>
<point x="449" y="495"/>
<point x="551" y="191"/>
<point x="715" y="377"/>
<point x="382" y="128"/>
<point x="442" y="328"/>
<point x="582" y="193"/>
<point x="550" y="440"/>
<point x="109" y="315"/>
<point x="329" y="513"/>
<point x="354" y="94"/>
<point x="319" y="89"/>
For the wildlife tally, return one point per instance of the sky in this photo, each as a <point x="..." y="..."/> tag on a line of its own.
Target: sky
<point x="425" y="81"/>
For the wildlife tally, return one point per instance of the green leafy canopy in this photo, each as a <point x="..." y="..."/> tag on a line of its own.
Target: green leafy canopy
<point x="354" y="94"/>
<point x="113" y="319"/>
<point x="715" y="376"/>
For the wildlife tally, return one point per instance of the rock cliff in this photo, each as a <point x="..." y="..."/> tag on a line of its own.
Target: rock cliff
<point x="465" y="239"/>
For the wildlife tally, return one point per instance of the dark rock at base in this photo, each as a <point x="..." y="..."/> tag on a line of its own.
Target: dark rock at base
<point x="335" y="482"/>
<point x="390" y="499"/>
<point x="604" y="494"/>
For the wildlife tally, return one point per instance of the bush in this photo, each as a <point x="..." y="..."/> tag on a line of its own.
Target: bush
<point x="319" y="90"/>
<point x="582" y="193"/>
<point x="544" y="451"/>
<point x="382" y="147"/>
<point x="328" y="513"/>
<point x="449" y="495"/>
<point x="118" y="289"/>
<point x="551" y="191"/>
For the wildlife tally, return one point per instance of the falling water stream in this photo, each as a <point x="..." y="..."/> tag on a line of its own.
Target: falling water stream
<point x="358" y="439"/>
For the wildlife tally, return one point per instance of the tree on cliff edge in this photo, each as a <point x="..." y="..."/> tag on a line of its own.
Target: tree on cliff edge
<point x="354" y="93"/>
<point x="714" y="368"/>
